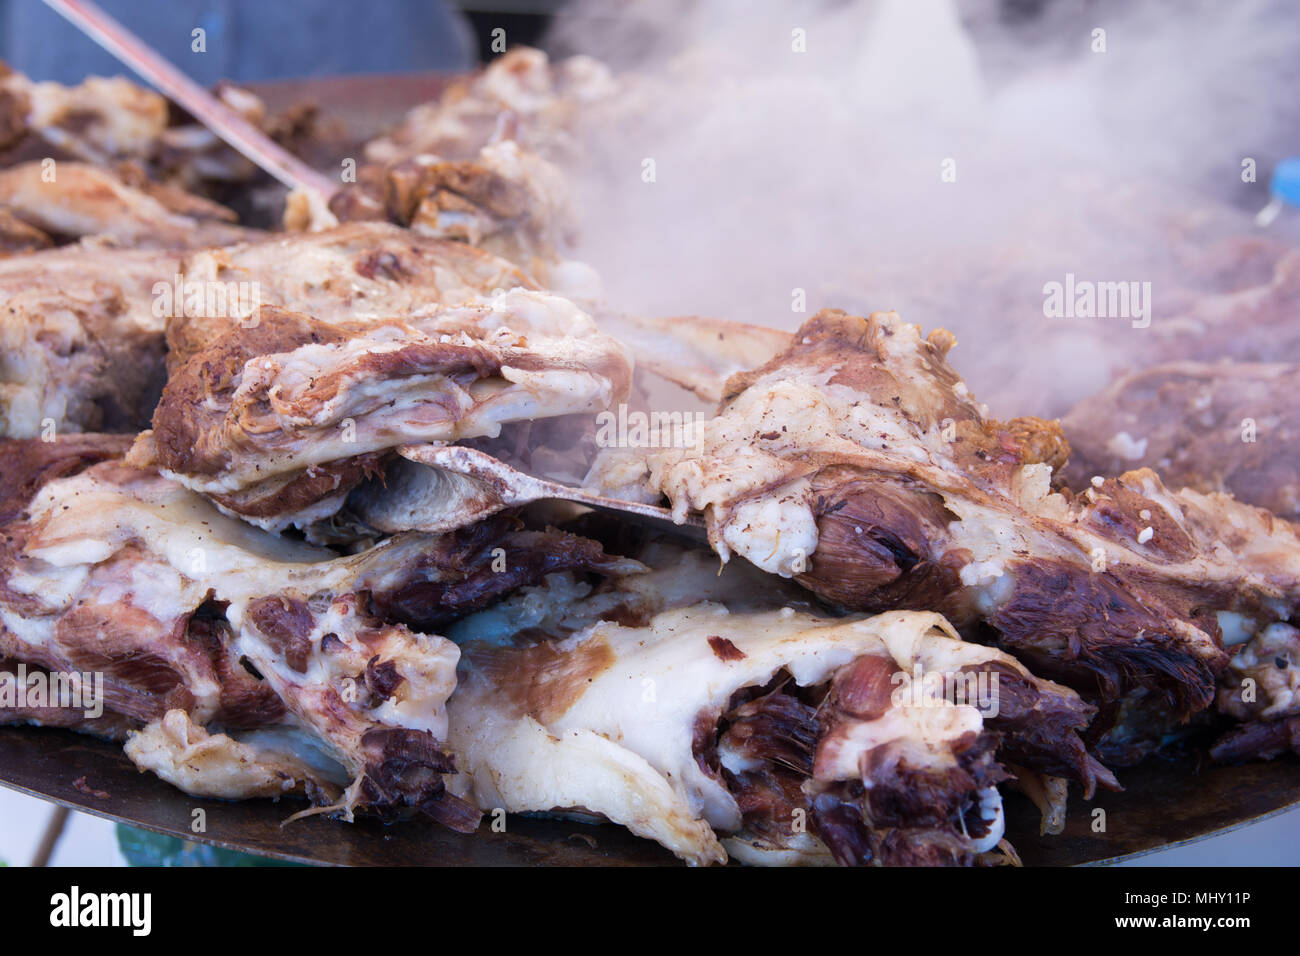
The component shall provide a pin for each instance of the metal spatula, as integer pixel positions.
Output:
(240, 134)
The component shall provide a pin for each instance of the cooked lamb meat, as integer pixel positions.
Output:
(540, 101)
(110, 121)
(779, 735)
(355, 272)
(72, 200)
(375, 270)
(274, 421)
(102, 120)
(476, 165)
(124, 573)
(82, 326)
(858, 463)
(81, 346)
(217, 638)
(1229, 426)
(505, 200)
(90, 583)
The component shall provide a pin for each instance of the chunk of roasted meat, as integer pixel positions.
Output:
(193, 618)
(102, 120)
(70, 200)
(240, 663)
(506, 201)
(478, 165)
(777, 736)
(109, 121)
(360, 271)
(539, 100)
(82, 344)
(83, 326)
(858, 463)
(278, 420)
(1224, 426)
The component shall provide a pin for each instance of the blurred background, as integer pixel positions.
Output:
(1189, 89)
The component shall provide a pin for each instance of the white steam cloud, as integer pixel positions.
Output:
(943, 159)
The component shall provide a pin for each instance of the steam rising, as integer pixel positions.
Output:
(822, 169)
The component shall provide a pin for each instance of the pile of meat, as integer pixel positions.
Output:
(358, 511)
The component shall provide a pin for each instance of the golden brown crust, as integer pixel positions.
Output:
(1212, 426)
(196, 396)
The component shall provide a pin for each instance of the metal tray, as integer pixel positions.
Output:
(1165, 803)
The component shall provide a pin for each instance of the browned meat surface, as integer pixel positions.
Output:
(1224, 426)
(109, 121)
(357, 272)
(505, 201)
(81, 346)
(72, 200)
(102, 120)
(216, 642)
(250, 419)
(82, 326)
(858, 463)
(811, 740)
(120, 573)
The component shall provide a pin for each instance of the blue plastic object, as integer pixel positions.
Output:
(1285, 184)
(142, 848)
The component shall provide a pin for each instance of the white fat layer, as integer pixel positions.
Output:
(1237, 628)
(181, 551)
(216, 765)
(623, 747)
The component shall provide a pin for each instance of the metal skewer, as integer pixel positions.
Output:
(511, 487)
(240, 134)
